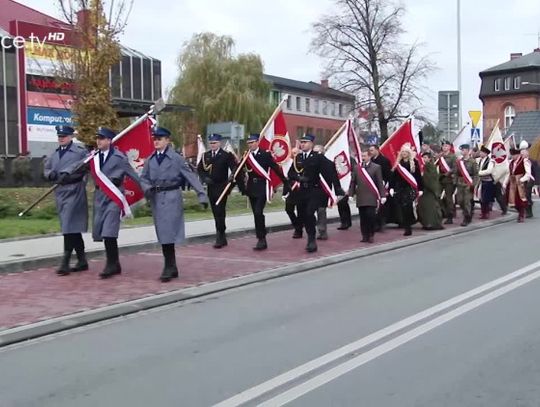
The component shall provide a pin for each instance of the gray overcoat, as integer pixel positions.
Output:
(360, 189)
(71, 201)
(167, 206)
(106, 212)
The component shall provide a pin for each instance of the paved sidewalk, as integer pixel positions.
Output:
(26, 253)
(39, 295)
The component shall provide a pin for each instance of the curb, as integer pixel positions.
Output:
(54, 325)
(48, 261)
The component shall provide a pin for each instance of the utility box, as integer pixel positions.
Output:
(232, 131)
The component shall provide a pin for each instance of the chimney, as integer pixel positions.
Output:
(324, 83)
(515, 55)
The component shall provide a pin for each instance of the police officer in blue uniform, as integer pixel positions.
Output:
(307, 168)
(162, 176)
(70, 196)
(115, 165)
(256, 187)
(214, 172)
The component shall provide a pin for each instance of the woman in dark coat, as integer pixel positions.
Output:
(406, 186)
(429, 209)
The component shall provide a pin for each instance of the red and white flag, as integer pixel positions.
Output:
(275, 138)
(201, 149)
(339, 152)
(403, 135)
(499, 153)
(137, 145)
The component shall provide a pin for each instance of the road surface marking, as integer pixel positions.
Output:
(294, 374)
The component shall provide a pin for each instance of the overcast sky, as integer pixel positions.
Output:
(280, 32)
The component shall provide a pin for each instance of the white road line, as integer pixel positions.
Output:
(259, 390)
(334, 373)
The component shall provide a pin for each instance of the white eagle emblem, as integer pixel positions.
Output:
(134, 160)
(343, 166)
(280, 149)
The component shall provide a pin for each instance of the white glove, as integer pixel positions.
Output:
(383, 200)
(391, 192)
(420, 193)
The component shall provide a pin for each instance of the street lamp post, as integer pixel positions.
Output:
(460, 96)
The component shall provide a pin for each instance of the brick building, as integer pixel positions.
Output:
(312, 108)
(510, 88)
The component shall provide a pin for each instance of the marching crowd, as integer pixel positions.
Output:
(425, 187)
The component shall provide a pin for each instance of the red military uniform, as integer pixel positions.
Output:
(520, 174)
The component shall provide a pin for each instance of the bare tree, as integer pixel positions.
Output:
(97, 25)
(361, 44)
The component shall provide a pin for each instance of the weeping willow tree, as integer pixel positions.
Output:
(219, 86)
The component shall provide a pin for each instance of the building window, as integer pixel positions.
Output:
(289, 101)
(319, 136)
(340, 110)
(299, 132)
(317, 104)
(517, 82)
(507, 81)
(328, 134)
(298, 103)
(509, 114)
(308, 105)
(332, 109)
(325, 108)
(309, 130)
(275, 97)
(497, 85)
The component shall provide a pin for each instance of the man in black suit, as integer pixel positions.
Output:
(307, 168)
(258, 168)
(214, 170)
(386, 168)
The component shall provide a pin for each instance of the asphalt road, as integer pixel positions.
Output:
(429, 325)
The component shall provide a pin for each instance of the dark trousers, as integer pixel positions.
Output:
(257, 207)
(308, 203)
(500, 197)
(294, 214)
(218, 210)
(368, 218)
(344, 212)
(407, 215)
(74, 241)
(111, 250)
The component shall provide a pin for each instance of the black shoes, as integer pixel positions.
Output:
(110, 270)
(82, 263)
(343, 227)
(169, 272)
(64, 269)
(221, 240)
(297, 234)
(261, 245)
(311, 246)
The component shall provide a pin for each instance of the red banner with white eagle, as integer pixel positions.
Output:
(403, 135)
(137, 145)
(275, 139)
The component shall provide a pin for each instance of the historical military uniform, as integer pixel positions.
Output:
(214, 172)
(71, 200)
(429, 208)
(106, 223)
(447, 167)
(367, 200)
(465, 185)
(256, 188)
(520, 174)
(162, 176)
(306, 170)
(487, 183)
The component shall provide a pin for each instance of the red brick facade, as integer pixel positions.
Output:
(321, 128)
(495, 106)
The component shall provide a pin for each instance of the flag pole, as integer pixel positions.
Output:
(246, 154)
(335, 136)
(461, 131)
(154, 109)
(492, 133)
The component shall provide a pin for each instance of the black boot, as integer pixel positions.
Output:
(221, 240)
(343, 227)
(297, 234)
(365, 239)
(170, 270)
(311, 246)
(112, 266)
(261, 244)
(408, 231)
(64, 270)
(82, 263)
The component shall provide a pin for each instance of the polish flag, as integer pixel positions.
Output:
(403, 135)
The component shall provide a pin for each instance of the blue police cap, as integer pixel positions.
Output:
(308, 137)
(64, 130)
(464, 146)
(253, 137)
(215, 137)
(160, 132)
(105, 132)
